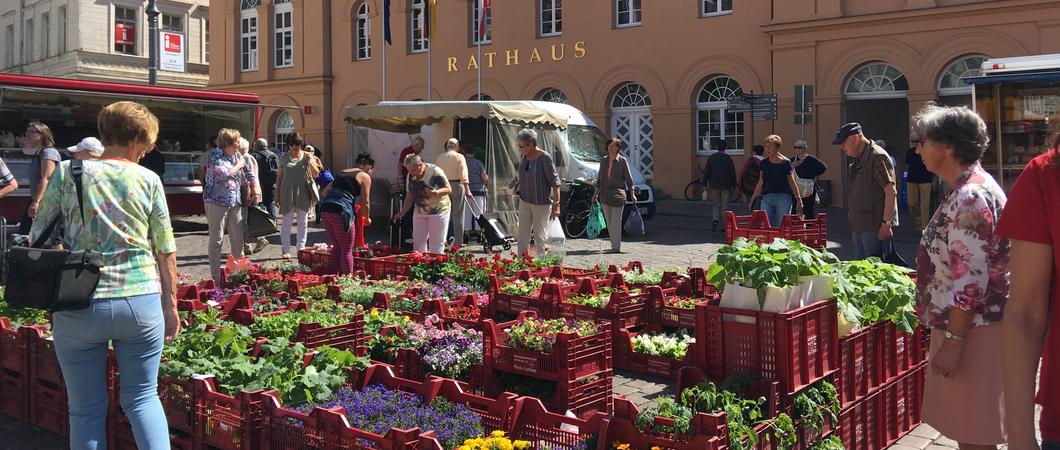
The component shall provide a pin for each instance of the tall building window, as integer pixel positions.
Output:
(125, 30)
(416, 16)
(627, 13)
(551, 17)
(27, 46)
(206, 41)
(172, 23)
(479, 23)
(9, 47)
(45, 35)
(362, 33)
(248, 35)
(713, 122)
(284, 34)
(284, 127)
(715, 7)
(62, 30)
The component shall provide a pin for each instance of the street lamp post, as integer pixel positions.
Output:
(152, 19)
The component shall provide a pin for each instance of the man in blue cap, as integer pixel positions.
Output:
(871, 193)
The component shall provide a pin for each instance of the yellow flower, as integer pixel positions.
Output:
(496, 434)
(374, 313)
(407, 319)
(656, 447)
(620, 446)
(522, 445)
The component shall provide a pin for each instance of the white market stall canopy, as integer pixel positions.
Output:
(409, 117)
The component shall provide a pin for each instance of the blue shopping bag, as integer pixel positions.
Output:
(634, 223)
(596, 221)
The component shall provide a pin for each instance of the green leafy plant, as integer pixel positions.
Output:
(285, 324)
(646, 278)
(523, 288)
(682, 302)
(540, 335)
(831, 443)
(600, 300)
(22, 316)
(816, 403)
(759, 266)
(869, 291)
(314, 292)
(361, 292)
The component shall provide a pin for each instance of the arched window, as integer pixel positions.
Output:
(876, 80)
(362, 30)
(966, 66)
(713, 121)
(631, 95)
(284, 127)
(248, 35)
(553, 95)
(485, 97)
(418, 11)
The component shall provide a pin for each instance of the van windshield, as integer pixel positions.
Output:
(586, 143)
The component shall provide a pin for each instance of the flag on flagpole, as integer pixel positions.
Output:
(386, 22)
(429, 20)
(483, 11)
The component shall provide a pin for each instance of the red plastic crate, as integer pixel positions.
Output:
(191, 292)
(228, 422)
(572, 357)
(756, 227)
(706, 432)
(14, 356)
(860, 425)
(348, 336)
(305, 257)
(178, 401)
(900, 402)
(388, 267)
(288, 429)
(625, 309)
(14, 394)
(627, 359)
(860, 365)
(43, 363)
(533, 422)
(901, 352)
(48, 409)
(796, 348)
(544, 303)
(665, 314)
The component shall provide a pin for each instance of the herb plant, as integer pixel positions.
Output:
(758, 266)
(870, 291)
(285, 324)
(816, 403)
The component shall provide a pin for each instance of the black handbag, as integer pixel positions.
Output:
(260, 222)
(49, 279)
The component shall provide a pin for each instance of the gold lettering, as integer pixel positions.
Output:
(579, 49)
(452, 64)
(535, 56)
(489, 59)
(472, 64)
(510, 56)
(562, 51)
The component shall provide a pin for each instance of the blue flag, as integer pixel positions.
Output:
(386, 22)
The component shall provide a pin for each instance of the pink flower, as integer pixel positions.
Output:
(959, 256)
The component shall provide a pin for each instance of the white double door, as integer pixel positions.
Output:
(634, 127)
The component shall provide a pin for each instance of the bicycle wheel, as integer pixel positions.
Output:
(694, 191)
(576, 220)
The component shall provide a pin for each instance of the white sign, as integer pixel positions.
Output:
(172, 48)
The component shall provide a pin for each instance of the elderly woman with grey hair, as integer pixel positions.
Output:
(962, 282)
(537, 183)
(807, 169)
(427, 188)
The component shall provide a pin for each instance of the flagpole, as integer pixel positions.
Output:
(384, 70)
(429, 69)
(478, 59)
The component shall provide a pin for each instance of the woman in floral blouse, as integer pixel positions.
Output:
(962, 282)
(226, 171)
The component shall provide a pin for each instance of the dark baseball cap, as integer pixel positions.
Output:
(846, 131)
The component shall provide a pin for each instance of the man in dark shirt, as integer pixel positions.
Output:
(268, 167)
(417, 148)
(720, 177)
(918, 184)
(156, 161)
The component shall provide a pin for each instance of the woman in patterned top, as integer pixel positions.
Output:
(962, 281)
(226, 171)
(134, 307)
(427, 189)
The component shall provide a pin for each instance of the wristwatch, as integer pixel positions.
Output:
(954, 337)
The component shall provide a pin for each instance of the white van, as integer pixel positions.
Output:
(576, 143)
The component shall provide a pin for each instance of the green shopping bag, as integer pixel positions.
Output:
(596, 222)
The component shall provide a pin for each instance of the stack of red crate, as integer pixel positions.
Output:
(625, 309)
(544, 303)
(756, 227)
(48, 406)
(14, 371)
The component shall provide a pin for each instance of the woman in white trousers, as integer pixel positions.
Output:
(295, 191)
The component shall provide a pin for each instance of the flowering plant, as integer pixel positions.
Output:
(221, 295)
(317, 292)
(361, 292)
(523, 288)
(377, 409)
(663, 344)
(186, 279)
(495, 441)
(406, 303)
(321, 247)
(286, 268)
(376, 319)
(600, 300)
(305, 279)
(470, 270)
(452, 354)
(682, 302)
(647, 277)
(540, 335)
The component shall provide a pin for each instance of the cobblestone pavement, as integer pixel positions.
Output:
(678, 236)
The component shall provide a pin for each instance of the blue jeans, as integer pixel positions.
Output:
(866, 244)
(136, 328)
(1046, 445)
(776, 206)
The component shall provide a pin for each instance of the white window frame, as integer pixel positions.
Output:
(205, 40)
(362, 32)
(283, 35)
(555, 10)
(45, 35)
(631, 11)
(9, 47)
(552, 95)
(882, 82)
(417, 43)
(136, 27)
(718, 11)
(944, 91)
(285, 120)
(162, 23)
(719, 106)
(61, 41)
(246, 38)
(475, 21)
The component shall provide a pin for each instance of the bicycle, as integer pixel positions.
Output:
(575, 214)
(694, 189)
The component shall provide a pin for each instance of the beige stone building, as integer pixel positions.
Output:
(100, 40)
(655, 72)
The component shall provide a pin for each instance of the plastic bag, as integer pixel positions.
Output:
(557, 240)
(634, 223)
(233, 265)
(596, 221)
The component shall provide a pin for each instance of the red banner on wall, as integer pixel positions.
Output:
(124, 33)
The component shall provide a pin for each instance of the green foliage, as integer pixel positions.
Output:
(816, 403)
(832, 443)
(777, 264)
(22, 316)
(869, 291)
(648, 277)
(361, 292)
(285, 324)
(317, 292)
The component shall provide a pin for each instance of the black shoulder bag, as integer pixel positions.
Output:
(53, 280)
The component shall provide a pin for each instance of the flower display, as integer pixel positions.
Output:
(673, 345)
(682, 302)
(495, 441)
(470, 270)
(377, 409)
(600, 300)
(540, 335)
(361, 292)
(221, 295)
(523, 288)
(444, 352)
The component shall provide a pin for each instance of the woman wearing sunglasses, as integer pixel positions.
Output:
(537, 182)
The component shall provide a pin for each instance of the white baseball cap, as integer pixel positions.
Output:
(88, 144)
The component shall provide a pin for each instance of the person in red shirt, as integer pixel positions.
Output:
(1031, 323)
(416, 147)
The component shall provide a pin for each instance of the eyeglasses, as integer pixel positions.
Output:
(916, 141)
(800, 148)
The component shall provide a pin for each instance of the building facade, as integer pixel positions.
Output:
(656, 73)
(101, 40)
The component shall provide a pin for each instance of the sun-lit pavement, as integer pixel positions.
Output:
(678, 236)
